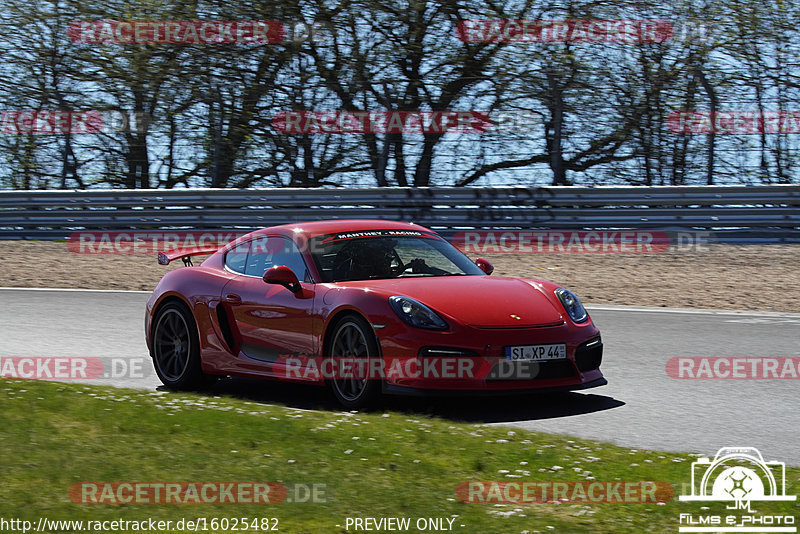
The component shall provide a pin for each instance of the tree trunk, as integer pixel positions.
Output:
(554, 131)
(712, 135)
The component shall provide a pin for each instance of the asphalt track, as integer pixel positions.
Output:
(641, 407)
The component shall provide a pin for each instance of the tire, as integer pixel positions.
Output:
(176, 349)
(352, 336)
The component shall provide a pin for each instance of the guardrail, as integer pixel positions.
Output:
(769, 213)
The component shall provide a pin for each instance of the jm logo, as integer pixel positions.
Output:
(738, 474)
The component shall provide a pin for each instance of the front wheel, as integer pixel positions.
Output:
(352, 339)
(176, 349)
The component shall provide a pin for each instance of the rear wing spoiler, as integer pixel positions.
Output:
(185, 254)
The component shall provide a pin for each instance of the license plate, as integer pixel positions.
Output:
(535, 353)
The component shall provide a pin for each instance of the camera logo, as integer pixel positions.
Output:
(737, 476)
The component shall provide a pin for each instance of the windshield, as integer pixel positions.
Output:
(386, 254)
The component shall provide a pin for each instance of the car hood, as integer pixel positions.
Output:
(480, 301)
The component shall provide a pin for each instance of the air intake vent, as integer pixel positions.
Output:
(589, 355)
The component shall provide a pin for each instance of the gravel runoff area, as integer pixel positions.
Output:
(734, 277)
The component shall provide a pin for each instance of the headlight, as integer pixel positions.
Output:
(572, 304)
(416, 313)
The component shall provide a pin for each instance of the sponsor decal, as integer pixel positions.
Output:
(344, 236)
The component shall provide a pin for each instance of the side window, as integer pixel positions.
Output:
(236, 258)
(266, 252)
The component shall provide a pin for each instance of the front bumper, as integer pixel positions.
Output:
(479, 353)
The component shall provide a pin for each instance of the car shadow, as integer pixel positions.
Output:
(476, 409)
(512, 408)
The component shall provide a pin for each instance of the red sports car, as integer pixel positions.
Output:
(365, 307)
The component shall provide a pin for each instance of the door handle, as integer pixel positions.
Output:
(233, 298)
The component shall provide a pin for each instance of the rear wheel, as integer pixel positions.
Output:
(352, 339)
(176, 349)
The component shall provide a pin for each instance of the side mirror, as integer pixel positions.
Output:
(484, 265)
(281, 274)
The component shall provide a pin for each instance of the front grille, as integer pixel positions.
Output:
(589, 355)
(505, 370)
(446, 352)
